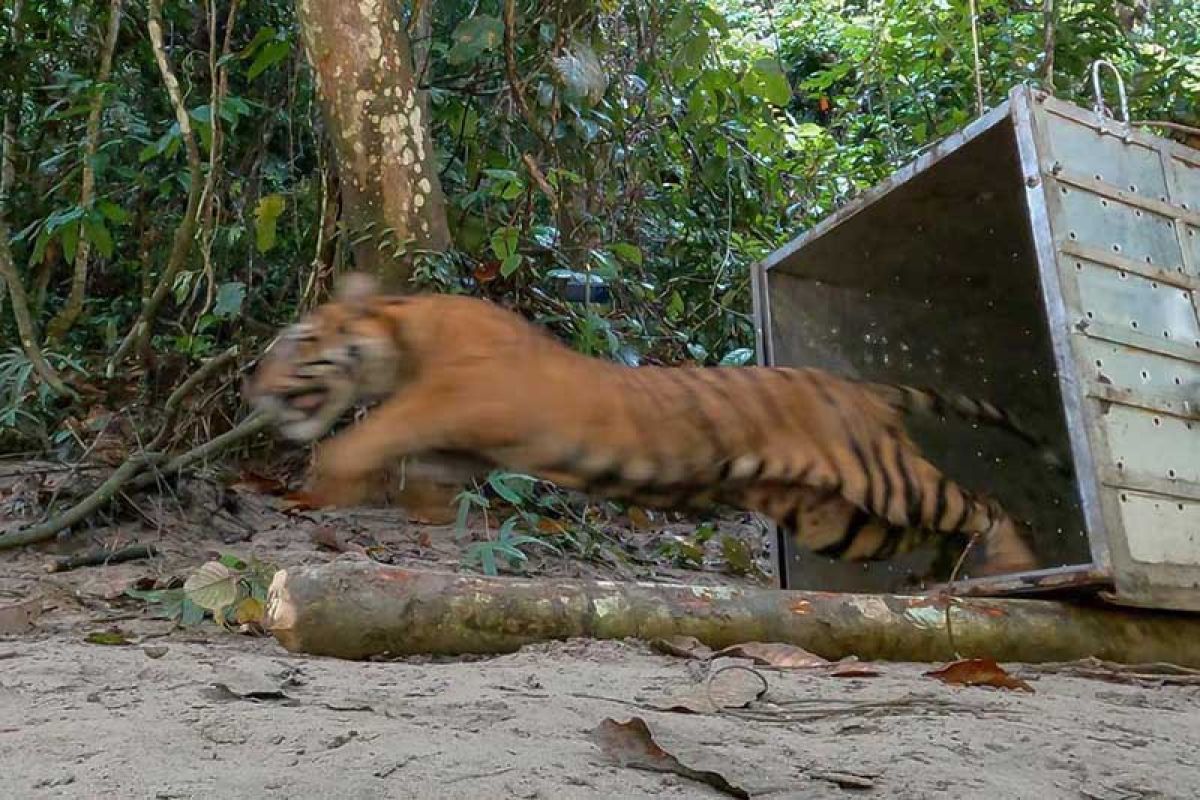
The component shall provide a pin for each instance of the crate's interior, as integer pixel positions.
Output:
(935, 283)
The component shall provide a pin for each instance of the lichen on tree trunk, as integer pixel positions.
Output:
(379, 124)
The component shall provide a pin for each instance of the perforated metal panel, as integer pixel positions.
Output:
(1049, 260)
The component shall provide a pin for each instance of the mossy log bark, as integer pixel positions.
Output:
(354, 608)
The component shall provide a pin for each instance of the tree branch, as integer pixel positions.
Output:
(62, 322)
(182, 244)
(25, 328)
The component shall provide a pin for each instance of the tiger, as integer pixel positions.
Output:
(467, 382)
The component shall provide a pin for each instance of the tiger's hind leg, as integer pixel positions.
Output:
(899, 485)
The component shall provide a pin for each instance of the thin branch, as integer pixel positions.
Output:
(102, 557)
(171, 408)
(140, 333)
(25, 327)
(1190, 130)
(248, 427)
(1049, 26)
(219, 80)
(81, 510)
(133, 474)
(65, 319)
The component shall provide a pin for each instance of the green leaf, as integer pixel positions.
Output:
(148, 152)
(607, 265)
(738, 357)
(211, 587)
(265, 214)
(627, 252)
(510, 264)
(97, 234)
(270, 55)
(504, 241)
(112, 638)
(766, 80)
(70, 240)
(474, 36)
(190, 613)
(263, 36)
(113, 212)
(675, 306)
(500, 486)
(228, 303)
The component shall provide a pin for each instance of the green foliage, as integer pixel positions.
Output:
(231, 591)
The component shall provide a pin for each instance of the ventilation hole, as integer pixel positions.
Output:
(1116, 248)
(1090, 315)
(1078, 267)
(1149, 260)
(1063, 190)
(1157, 422)
(1132, 188)
(1145, 375)
(1133, 324)
(1098, 176)
(1072, 235)
(1166, 334)
(1099, 363)
(1121, 466)
(1171, 474)
(1185, 205)
(1122, 273)
(1124, 498)
(1153, 284)
(1179, 506)
(1178, 382)
(1104, 203)
(1137, 213)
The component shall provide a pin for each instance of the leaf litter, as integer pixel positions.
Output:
(978, 672)
(631, 744)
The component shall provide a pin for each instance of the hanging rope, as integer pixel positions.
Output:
(975, 51)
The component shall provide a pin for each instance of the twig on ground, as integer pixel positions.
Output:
(78, 512)
(128, 475)
(101, 556)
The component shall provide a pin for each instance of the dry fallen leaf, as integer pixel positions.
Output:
(19, 617)
(774, 654)
(255, 483)
(682, 646)
(298, 501)
(978, 672)
(212, 587)
(327, 536)
(732, 687)
(631, 744)
(853, 669)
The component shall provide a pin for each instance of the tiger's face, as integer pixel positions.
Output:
(337, 356)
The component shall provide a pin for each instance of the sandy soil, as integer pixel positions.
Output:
(202, 713)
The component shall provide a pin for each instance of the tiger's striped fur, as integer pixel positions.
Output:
(462, 378)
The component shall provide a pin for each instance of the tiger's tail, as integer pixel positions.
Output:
(932, 403)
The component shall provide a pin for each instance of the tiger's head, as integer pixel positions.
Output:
(338, 355)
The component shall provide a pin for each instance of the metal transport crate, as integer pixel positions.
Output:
(1047, 258)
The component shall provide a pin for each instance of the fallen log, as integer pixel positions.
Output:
(354, 608)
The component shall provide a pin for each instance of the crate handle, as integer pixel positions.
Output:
(1098, 96)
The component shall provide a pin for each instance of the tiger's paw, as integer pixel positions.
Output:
(336, 481)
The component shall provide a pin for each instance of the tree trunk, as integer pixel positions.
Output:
(65, 318)
(354, 608)
(379, 124)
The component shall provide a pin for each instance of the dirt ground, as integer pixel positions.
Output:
(205, 713)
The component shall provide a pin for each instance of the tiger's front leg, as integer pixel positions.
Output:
(343, 468)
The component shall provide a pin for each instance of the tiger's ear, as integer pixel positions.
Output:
(356, 287)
